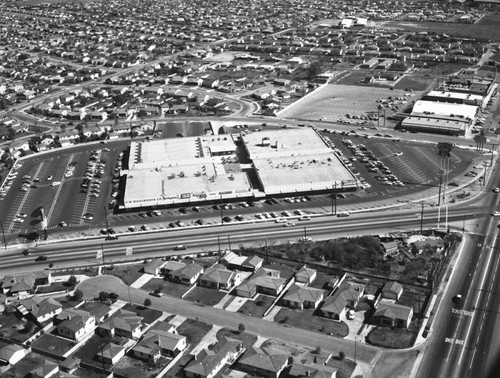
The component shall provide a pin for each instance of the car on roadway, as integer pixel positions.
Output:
(343, 214)
(289, 224)
(457, 299)
(496, 190)
(305, 218)
(41, 258)
(27, 252)
(88, 216)
(495, 214)
(156, 293)
(63, 224)
(180, 247)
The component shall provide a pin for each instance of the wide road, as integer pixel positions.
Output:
(464, 341)
(206, 239)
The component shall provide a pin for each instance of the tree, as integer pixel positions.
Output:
(341, 355)
(147, 302)
(77, 295)
(241, 327)
(103, 296)
(72, 280)
(317, 350)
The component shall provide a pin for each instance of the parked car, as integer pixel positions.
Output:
(41, 258)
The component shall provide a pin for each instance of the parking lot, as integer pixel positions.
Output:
(75, 186)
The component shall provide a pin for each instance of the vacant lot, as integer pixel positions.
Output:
(305, 319)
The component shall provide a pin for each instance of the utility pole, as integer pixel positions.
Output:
(221, 215)
(440, 183)
(106, 220)
(422, 217)
(3, 235)
(218, 242)
(229, 241)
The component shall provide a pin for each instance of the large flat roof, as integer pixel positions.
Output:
(445, 108)
(304, 141)
(303, 173)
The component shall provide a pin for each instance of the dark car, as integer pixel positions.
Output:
(457, 299)
(26, 252)
(41, 258)
(180, 247)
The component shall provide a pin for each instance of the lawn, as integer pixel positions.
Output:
(417, 83)
(149, 314)
(66, 301)
(194, 330)
(258, 307)
(345, 367)
(171, 289)
(205, 296)
(391, 338)
(305, 319)
(53, 344)
(127, 273)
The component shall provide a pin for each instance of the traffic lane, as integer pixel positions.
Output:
(159, 244)
(94, 285)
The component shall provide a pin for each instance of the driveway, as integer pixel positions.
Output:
(92, 286)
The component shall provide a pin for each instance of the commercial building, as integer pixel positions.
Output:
(213, 168)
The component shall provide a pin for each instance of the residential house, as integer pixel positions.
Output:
(302, 297)
(431, 245)
(24, 284)
(392, 290)
(38, 309)
(187, 275)
(74, 324)
(154, 266)
(220, 279)
(243, 263)
(111, 353)
(171, 266)
(70, 364)
(261, 364)
(346, 295)
(12, 353)
(207, 363)
(157, 343)
(389, 248)
(45, 369)
(265, 281)
(305, 275)
(123, 323)
(392, 315)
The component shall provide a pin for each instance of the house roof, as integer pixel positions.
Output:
(305, 273)
(269, 282)
(393, 311)
(155, 264)
(8, 351)
(111, 350)
(45, 369)
(344, 293)
(190, 270)
(220, 276)
(303, 294)
(392, 287)
(124, 320)
(206, 361)
(271, 363)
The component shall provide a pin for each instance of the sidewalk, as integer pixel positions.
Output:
(142, 280)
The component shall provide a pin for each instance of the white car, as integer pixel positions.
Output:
(495, 214)
(496, 190)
